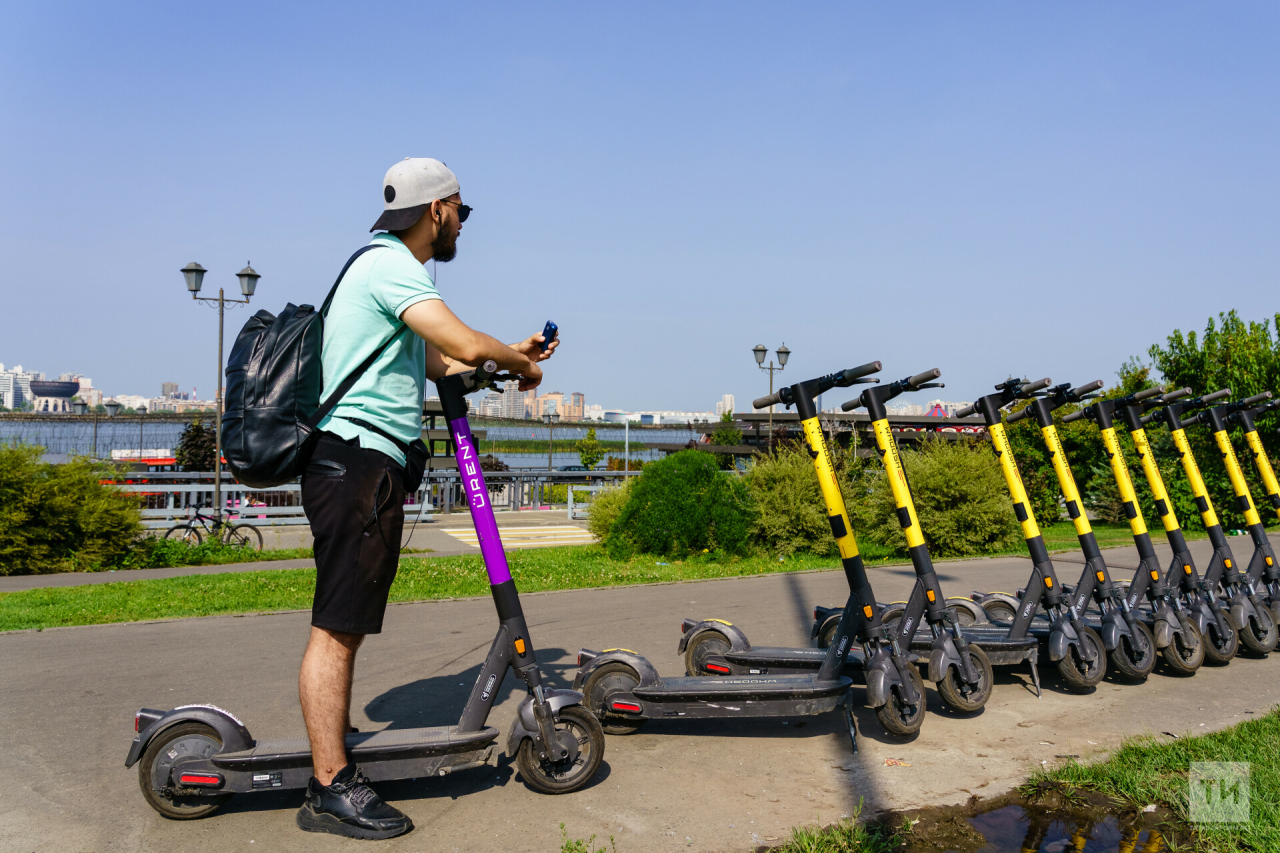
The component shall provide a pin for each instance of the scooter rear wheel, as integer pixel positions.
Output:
(604, 682)
(549, 777)
(184, 739)
(897, 717)
(1257, 638)
(951, 691)
(1081, 675)
(1182, 659)
(999, 612)
(1131, 663)
(700, 648)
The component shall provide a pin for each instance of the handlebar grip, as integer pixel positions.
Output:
(484, 371)
(921, 378)
(862, 370)
(967, 411)
(1029, 387)
(1176, 394)
(1146, 420)
(1014, 417)
(1085, 389)
(1074, 416)
(1148, 393)
(1256, 399)
(1220, 394)
(849, 406)
(1192, 420)
(766, 402)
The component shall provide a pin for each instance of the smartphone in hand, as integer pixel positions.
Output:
(549, 333)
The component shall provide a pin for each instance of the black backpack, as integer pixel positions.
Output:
(274, 380)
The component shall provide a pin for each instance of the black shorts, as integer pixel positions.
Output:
(354, 500)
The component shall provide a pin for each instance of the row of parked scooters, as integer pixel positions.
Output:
(1174, 613)
(194, 757)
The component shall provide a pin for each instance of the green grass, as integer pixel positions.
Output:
(1147, 770)
(847, 836)
(419, 579)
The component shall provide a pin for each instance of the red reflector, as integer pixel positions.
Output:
(715, 667)
(193, 779)
(626, 706)
(136, 723)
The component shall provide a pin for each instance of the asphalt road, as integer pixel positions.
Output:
(70, 694)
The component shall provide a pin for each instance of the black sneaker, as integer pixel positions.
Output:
(348, 806)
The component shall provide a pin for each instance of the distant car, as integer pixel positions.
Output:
(572, 468)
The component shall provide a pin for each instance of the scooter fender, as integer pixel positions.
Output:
(648, 675)
(1011, 600)
(1239, 616)
(235, 737)
(1163, 633)
(882, 675)
(1111, 634)
(944, 656)
(738, 641)
(525, 725)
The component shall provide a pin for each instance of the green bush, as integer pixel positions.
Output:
(60, 518)
(791, 516)
(606, 507)
(683, 505)
(960, 497)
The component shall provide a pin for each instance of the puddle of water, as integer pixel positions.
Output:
(1011, 825)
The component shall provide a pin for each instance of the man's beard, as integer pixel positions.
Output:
(444, 247)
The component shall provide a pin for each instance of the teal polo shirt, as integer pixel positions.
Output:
(364, 313)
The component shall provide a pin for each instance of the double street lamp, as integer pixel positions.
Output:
(783, 354)
(194, 275)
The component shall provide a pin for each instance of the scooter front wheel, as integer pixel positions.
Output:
(1180, 657)
(1220, 650)
(1133, 664)
(1259, 633)
(896, 716)
(184, 740)
(953, 691)
(560, 777)
(1081, 675)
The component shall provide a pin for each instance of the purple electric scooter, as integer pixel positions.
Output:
(193, 758)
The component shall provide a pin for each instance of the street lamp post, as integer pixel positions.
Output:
(194, 275)
(783, 354)
(551, 419)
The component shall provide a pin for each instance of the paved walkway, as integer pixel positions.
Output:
(70, 695)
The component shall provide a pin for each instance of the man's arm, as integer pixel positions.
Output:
(452, 345)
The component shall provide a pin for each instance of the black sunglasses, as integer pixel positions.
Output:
(464, 210)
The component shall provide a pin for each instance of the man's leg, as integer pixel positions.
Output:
(324, 686)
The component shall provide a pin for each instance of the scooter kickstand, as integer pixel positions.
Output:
(1035, 675)
(853, 723)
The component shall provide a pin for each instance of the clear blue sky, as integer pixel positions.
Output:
(988, 188)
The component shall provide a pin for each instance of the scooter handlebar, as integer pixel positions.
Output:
(850, 405)
(766, 402)
(1074, 416)
(1086, 389)
(967, 411)
(1220, 394)
(1256, 399)
(1148, 393)
(1192, 420)
(863, 370)
(1174, 395)
(1032, 387)
(921, 378)
(486, 371)
(1014, 417)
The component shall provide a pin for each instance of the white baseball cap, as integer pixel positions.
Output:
(408, 187)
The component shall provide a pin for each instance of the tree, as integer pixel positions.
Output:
(590, 451)
(726, 435)
(196, 447)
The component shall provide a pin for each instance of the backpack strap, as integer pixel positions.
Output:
(352, 378)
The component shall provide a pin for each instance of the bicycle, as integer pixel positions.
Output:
(239, 535)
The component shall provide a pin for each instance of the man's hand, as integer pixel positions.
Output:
(530, 377)
(532, 347)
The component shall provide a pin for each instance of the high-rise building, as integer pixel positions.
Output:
(15, 386)
(169, 390)
(513, 402)
(725, 405)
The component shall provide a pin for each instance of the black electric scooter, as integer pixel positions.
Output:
(1209, 611)
(1179, 640)
(712, 646)
(624, 690)
(1250, 615)
(193, 758)
(1075, 647)
(1130, 646)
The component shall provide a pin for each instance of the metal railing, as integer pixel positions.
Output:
(170, 498)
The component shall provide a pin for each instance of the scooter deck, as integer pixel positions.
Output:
(386, 754)
(742, 688)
